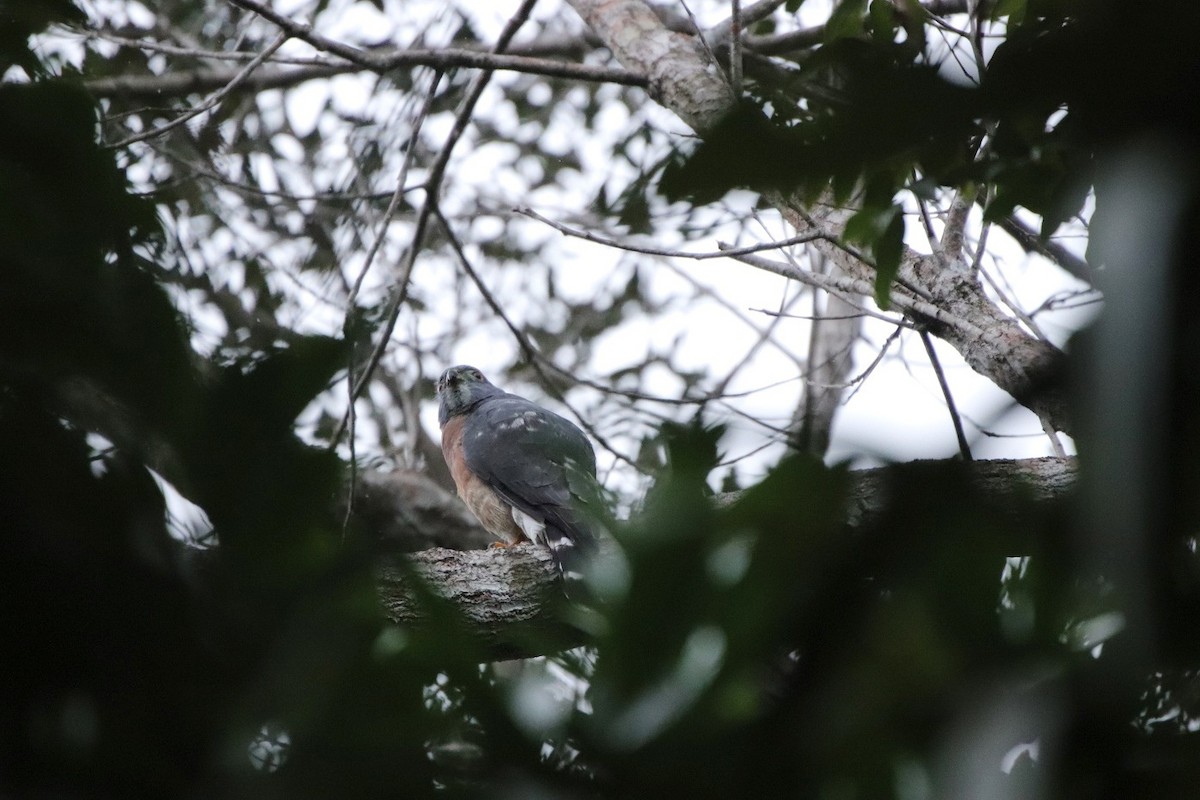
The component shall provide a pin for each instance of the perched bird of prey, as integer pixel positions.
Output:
(522, 470)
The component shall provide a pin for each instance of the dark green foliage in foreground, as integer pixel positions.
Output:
(764, 649)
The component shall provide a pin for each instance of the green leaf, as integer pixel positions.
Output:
(1013, 9)
(846, 20)
(914, 18)
(888, 248)
(881, 230)
(843, 185)
(883, 21)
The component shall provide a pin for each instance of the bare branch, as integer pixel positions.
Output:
(433, 187)
(956, 223)
(723, 252)
(1033, 243)
(184, 82)
(830, 359)
(858, 286)
(302, 31)
(509, 598)
(742, 18)
(964, 449)
(209, 102)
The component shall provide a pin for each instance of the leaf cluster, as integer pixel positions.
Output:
(871, 114)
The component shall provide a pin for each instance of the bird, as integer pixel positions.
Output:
(522, 470)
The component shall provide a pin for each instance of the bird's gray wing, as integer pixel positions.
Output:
(536, 460)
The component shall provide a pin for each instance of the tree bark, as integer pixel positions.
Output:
(511, 599)
(685, 80)
(835, 328)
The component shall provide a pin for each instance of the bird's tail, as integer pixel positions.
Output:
(570, 549)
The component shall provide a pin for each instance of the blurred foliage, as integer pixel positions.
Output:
(21, 19)
(759, 649)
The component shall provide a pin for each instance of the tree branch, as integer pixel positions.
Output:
(681, 77)
(835, 329)
(992, 343)
(511, 599)
(184, 82)
(805, 38)
(1029, 240)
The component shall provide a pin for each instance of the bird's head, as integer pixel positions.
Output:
(459, 389)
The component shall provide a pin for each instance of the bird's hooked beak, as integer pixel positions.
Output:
(454, 389)
(457, 376)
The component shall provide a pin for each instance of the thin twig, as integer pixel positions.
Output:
(1033, 243)
(1067, 300)
(192, 52)
(712, 56)
(927, 224)
(185, 82)
(182, 82)
(319, 197)
(749, 15)
(903, 323)
(1055, 443)
(304, 32)
(980, 247)
(964, 448)
(433, 191)
(670, 253)
(394, 203)
(532, 356)
(764, 336)
(1012, 305)
(210, 102)
(734, 310)
(859, 381)
(351, 418)
(859, 287)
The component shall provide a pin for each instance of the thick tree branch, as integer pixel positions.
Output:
(681, 76)
(406, 511)
(684, 79)
(512, 599)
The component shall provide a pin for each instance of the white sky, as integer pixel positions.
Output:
(896, 414)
